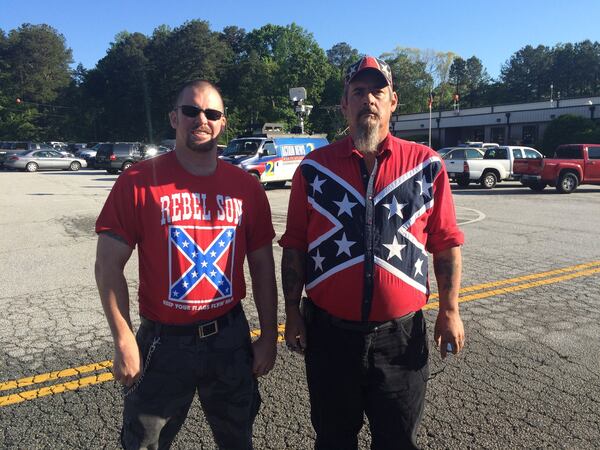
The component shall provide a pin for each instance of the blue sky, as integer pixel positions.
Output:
(492, 31)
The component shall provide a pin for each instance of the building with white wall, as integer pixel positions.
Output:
(522, 123)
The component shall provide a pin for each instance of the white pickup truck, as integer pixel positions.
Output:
(496, 166)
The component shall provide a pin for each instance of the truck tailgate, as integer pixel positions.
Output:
(529, 166)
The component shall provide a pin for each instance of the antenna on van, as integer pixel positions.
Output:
(297, 96)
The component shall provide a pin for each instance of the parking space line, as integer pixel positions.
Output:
(530, 281)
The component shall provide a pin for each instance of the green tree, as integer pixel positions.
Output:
(412, 83)
(187, 52)
(39, 62)
(477, 81)
(526, 75)
(569, 129)
(120, 87)
(458, 75)
(341, 55)
(277, 59)
(34, 67)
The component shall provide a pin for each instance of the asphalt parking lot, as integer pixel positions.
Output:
(529, 376)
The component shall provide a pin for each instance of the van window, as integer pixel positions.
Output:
(269, 149)
(517, 153)
(241, 147)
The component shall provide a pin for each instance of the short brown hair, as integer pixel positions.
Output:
(197, 83)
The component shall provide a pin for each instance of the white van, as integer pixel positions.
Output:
(271, 159)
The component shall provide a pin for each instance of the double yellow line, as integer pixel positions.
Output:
(101, 377)
(102, 373)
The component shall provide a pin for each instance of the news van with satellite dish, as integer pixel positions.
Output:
(272, 156)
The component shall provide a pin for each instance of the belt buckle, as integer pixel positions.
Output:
(201, 329)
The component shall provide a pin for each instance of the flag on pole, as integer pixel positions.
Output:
(430, 100)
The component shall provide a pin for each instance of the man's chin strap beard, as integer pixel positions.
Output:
(367, 137)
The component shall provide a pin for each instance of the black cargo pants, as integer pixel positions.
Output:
(217, 367)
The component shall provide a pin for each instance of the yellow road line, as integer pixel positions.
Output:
(519, 287)
(14, 384)
(107, 376)
(532, 276)
(55, 389)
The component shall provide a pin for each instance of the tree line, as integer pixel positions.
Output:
(130, 91)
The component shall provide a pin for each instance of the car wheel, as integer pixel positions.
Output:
(255, 175)
(489, 180)
(126, 165)
(567, 183)
(539, 187)
(74, 166)
(31, 167)
(112, 171)
(463, 182)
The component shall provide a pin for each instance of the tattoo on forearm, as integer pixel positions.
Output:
(445, 273)
(292, 276)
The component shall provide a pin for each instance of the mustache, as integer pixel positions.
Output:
(368, 110)
(203, 129)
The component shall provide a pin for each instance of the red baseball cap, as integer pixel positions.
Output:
(372, 63)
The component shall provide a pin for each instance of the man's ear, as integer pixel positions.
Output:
(173, 119)
(344, 105)
(394, 101)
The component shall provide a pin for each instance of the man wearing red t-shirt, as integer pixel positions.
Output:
(194, 220)
(364, 213)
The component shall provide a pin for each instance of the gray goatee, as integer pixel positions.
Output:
(367, 135)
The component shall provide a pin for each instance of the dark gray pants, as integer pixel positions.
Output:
(218, 368)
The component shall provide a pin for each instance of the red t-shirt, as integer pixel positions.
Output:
(349, 238)
(192, 234)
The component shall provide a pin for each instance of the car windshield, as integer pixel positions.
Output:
(241, 147)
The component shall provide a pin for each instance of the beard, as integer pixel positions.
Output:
(203, 147)
(366, 138)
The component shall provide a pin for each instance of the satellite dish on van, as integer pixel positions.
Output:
(297, 94)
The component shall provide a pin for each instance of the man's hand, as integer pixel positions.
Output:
(295, 330)
(449, 329)
(127, 365)
(265, 351)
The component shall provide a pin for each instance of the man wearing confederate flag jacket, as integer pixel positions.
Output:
(364, 214)
(194, 220)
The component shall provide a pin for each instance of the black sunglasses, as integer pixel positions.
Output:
(193, 111)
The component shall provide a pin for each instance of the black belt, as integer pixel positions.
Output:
(201, 329)
(352, 325)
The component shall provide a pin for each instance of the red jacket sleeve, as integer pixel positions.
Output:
(443, 232)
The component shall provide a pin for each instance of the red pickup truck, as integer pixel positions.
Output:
(571, 165)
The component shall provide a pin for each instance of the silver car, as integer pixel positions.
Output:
(34, 160)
